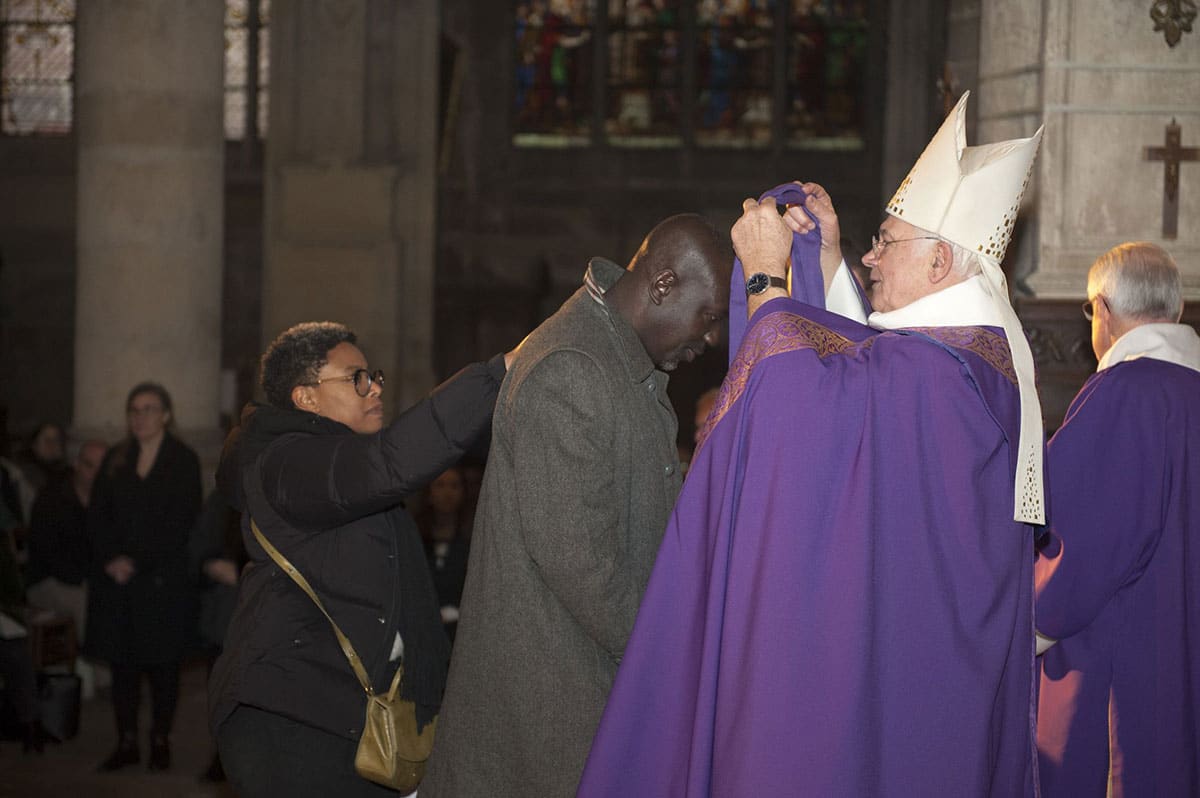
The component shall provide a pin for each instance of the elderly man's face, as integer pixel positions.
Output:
(900, 265)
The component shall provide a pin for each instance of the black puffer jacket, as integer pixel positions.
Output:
(329, 500)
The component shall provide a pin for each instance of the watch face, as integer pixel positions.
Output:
(757, 283)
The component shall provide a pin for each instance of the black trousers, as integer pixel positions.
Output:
(127, 695)
(267, 755)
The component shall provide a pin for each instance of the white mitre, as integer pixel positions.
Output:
(970, 196)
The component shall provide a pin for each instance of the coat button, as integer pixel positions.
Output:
(296, 642)
(382, 619)
(668, 470)
(650, 386)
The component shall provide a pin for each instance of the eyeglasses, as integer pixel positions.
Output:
(878, 245)
(1089, 307)
(362, 379)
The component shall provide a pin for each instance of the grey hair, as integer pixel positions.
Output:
(1138, 280)
(966, 262)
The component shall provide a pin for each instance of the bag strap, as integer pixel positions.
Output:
(299, 579)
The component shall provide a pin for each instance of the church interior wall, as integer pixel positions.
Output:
(518, 224)
(38, 273)
(37, 279)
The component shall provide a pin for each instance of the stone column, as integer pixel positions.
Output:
(350, 179)
(1009, 105)
(916, 33)
(148, 103)
(1106, 84)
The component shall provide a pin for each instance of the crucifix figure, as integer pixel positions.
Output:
(1172, 155)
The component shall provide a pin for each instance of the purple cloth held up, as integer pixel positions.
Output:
(808, 284)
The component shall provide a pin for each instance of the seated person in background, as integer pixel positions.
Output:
(442, 521)
(59, 551)
(216, 554)
(43, 460)
(16, 666)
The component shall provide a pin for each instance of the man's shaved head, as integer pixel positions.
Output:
(686, 243)
(676, 294)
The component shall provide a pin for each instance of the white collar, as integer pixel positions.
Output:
(965, 304)
(983, 301)
(1173, 343)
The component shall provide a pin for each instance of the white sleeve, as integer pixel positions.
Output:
(842, 297)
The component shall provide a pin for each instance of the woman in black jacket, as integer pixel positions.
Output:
(140, 598)
(323, 478)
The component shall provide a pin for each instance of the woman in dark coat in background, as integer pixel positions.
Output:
(144, 503)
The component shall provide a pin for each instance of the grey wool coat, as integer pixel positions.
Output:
(581, 478)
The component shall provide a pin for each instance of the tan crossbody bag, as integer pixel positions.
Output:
(390, 751)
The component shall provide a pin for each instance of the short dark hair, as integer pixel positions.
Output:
(296, 356)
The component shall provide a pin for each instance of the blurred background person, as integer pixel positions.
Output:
(139, 617)
(43, 459)
(16, 501)
(443, 521)
(60, 555)
(217, 554)
(17, 678)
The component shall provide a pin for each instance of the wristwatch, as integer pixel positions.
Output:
(761, 281)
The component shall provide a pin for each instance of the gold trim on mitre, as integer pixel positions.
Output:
(970, 196)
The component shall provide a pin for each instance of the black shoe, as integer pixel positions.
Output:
(160, 753)
(215, 773)
(126, 754)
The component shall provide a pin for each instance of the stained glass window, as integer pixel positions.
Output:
(827, 43)
(714, 73)
(36, 72)
(735, 57)
(643, 95)
(553, 97)
(245, 86)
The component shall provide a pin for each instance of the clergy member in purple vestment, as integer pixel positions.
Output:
(843, 601)
(1119, 583)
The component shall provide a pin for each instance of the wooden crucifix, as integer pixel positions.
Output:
(1172, 155)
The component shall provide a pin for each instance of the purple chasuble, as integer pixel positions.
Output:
(1119, 587)
(842, 603)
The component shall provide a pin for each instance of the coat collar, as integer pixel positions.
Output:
(602, 274)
